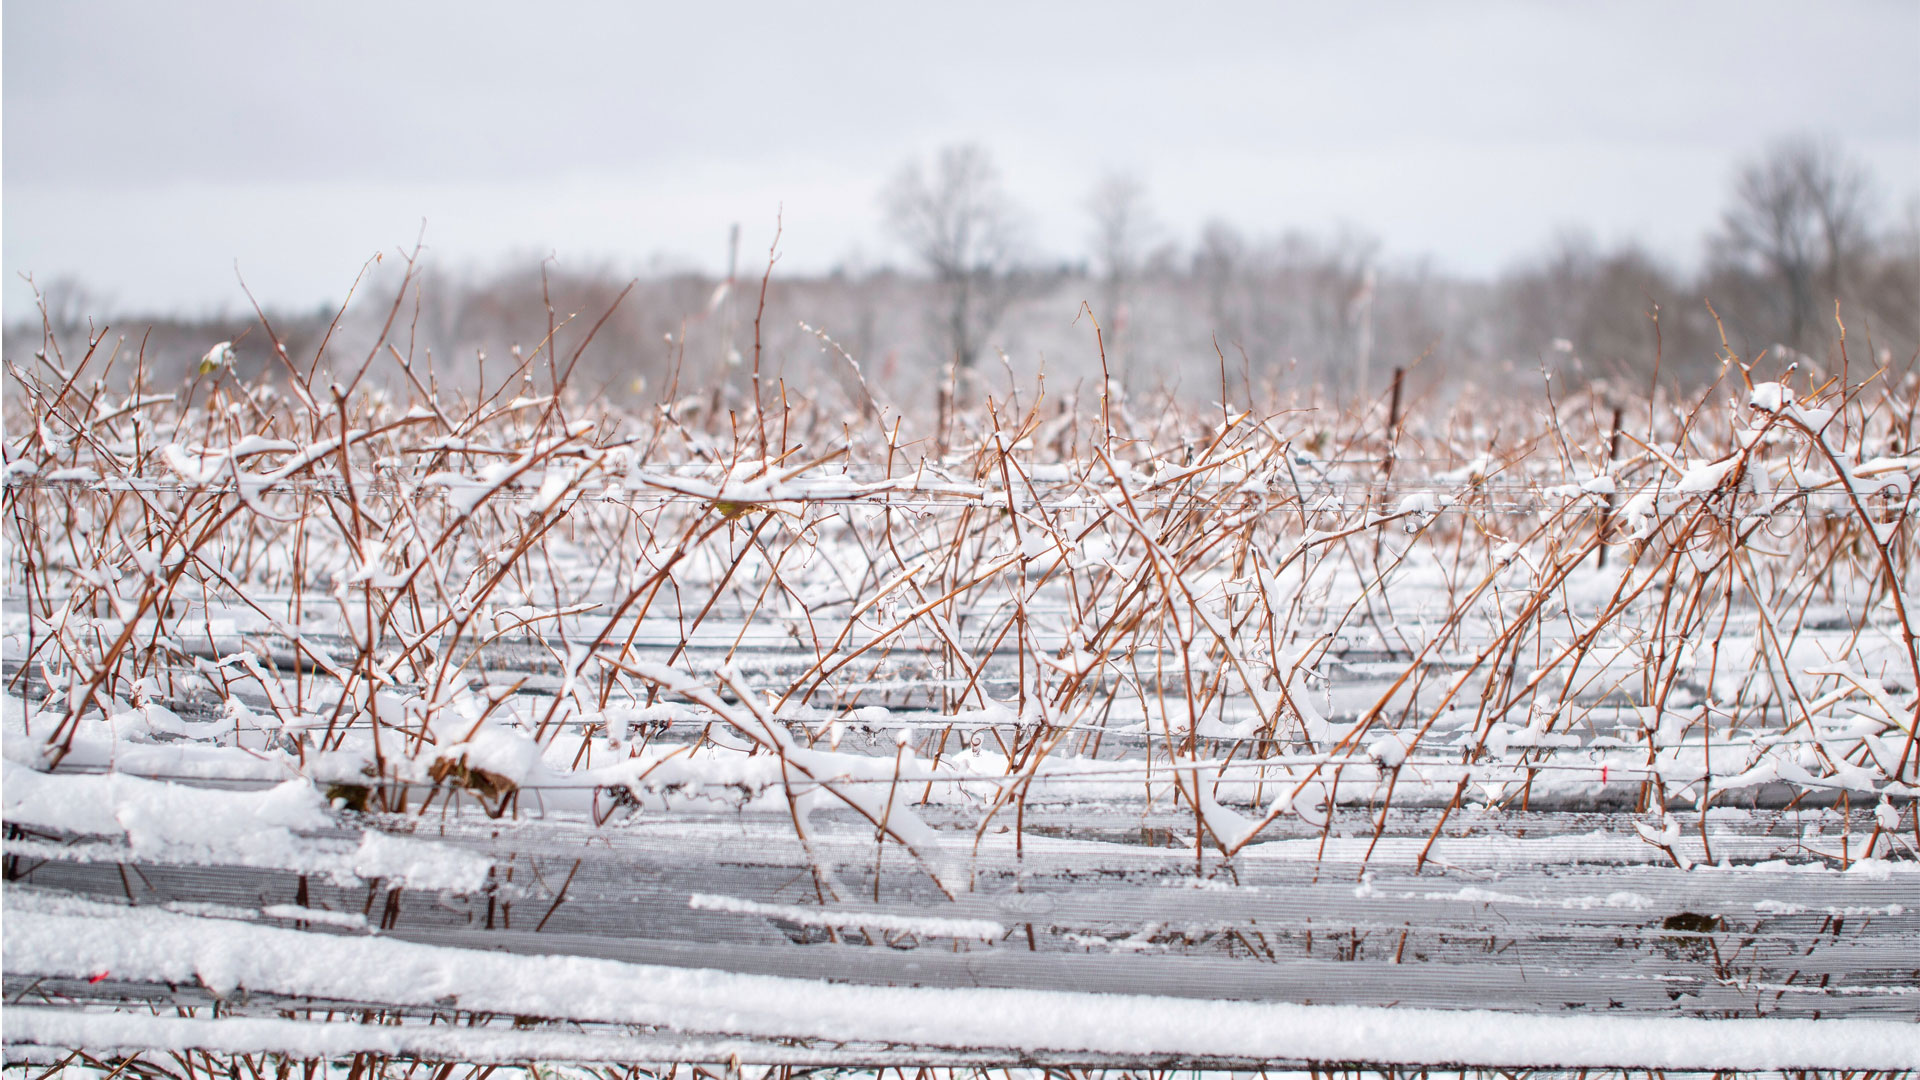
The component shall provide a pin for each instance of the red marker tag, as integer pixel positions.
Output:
(98, 978)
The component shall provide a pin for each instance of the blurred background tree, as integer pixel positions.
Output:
(1798, 229)
(959, 222)
(1123, 230)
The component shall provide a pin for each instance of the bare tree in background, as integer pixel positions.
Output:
(1591, 309)
(1894, 290)
(1123, 227)
(1799, 218)
(1216, 263)
(1333, 280)
(960, 222)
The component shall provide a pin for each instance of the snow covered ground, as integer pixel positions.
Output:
(516, 727)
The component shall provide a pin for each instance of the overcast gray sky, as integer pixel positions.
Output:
(150, 146)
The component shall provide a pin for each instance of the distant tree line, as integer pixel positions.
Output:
(1801, 247)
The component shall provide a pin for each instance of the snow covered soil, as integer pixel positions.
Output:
(63, 935)
(1205, 710)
